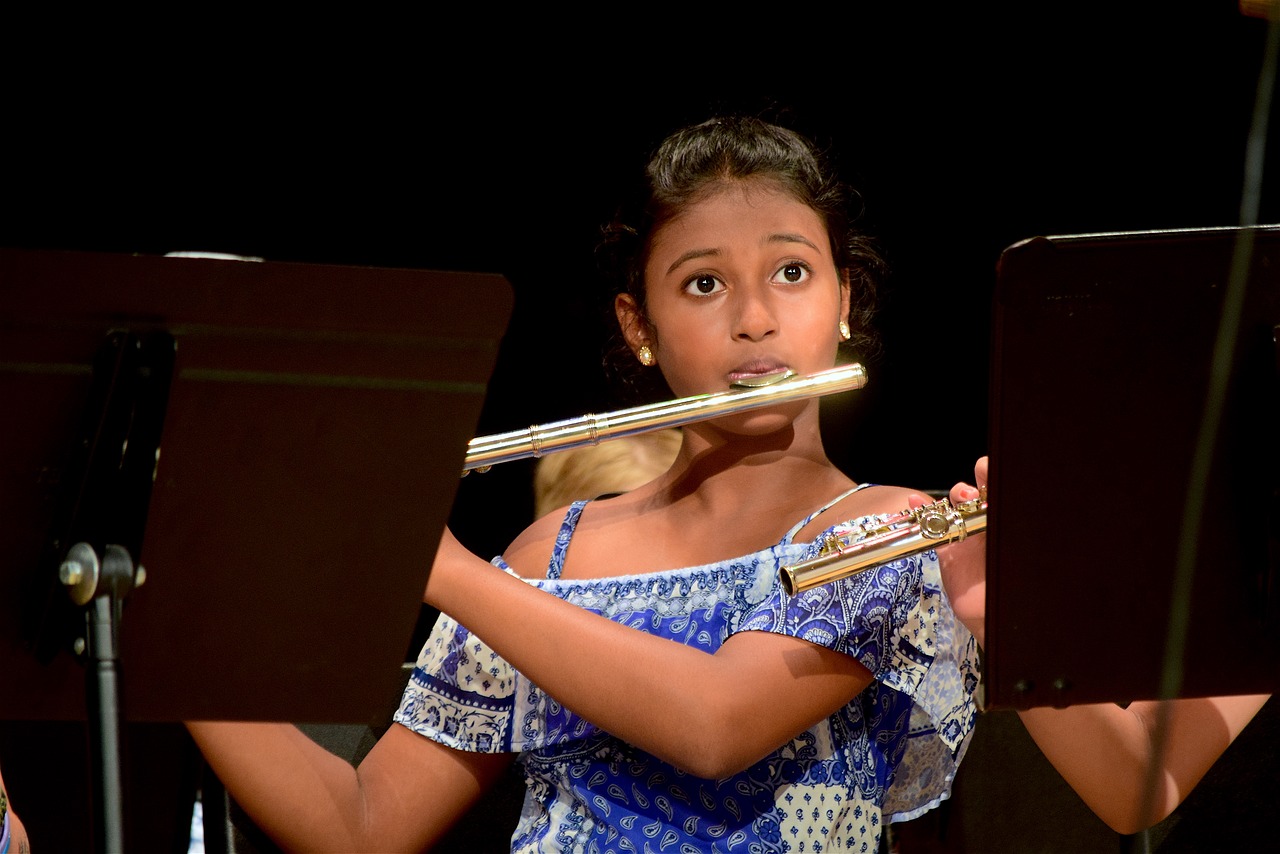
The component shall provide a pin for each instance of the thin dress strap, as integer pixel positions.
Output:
(567, 527)
(787, 538)
(571, 517)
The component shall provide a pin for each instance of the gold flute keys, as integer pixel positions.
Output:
(770, 390)
(905, 533)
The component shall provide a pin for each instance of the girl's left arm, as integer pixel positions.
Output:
(1106, 752)
(710, 715)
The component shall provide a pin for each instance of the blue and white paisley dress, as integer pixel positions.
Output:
(891, 754)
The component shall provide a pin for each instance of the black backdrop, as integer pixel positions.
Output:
(499, 145)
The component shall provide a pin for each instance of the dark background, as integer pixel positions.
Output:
(449, 144)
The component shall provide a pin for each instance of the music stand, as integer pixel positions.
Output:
(277, 445)
(1100, 372)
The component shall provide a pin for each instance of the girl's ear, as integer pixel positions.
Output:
(845, 298)
(635, 329)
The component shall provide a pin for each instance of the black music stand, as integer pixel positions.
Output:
(277, 444)
(1101, 367)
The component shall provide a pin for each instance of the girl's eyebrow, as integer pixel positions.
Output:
(691, 255)
(783, 237)
(787, 237)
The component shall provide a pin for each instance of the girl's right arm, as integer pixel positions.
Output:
(403, 797)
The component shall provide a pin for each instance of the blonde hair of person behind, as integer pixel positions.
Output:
(618, 465)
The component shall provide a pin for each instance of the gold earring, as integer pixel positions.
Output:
(645, 355)
(845, 334)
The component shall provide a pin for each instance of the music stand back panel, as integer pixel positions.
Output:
(1101, 359)
(313, 439)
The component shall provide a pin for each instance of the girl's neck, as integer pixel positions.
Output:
(716, 502)
(718, 467)
(725, 495)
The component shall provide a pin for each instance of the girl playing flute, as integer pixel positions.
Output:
(637, 655)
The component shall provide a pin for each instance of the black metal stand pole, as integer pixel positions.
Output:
(105, 736)
(101, 586)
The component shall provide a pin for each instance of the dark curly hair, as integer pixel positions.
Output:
(681, 170)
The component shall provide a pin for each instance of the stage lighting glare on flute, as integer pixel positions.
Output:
(915, 530)
(774, 389)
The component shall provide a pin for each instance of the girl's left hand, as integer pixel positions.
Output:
(964, 564)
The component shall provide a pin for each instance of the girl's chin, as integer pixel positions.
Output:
(762, 422)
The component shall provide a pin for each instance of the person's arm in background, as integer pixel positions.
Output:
(13, 836)
(1104, 751)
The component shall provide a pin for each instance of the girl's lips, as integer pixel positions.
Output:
(756, 369)
(754, 373)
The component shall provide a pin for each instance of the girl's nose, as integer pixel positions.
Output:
(755, 319)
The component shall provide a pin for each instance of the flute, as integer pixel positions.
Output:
(914, 530)
(784, 387)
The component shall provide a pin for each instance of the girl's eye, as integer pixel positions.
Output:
(703, 285)
(791, 274)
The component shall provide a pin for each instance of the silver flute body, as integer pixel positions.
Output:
(536, 441)
(914, 530)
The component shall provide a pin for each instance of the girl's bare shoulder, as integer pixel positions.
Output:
(872, 500)
(530, 552)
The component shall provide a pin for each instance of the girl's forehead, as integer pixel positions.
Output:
(730, 208)
(756, 191)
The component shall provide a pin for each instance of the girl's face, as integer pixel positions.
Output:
(741, 284)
